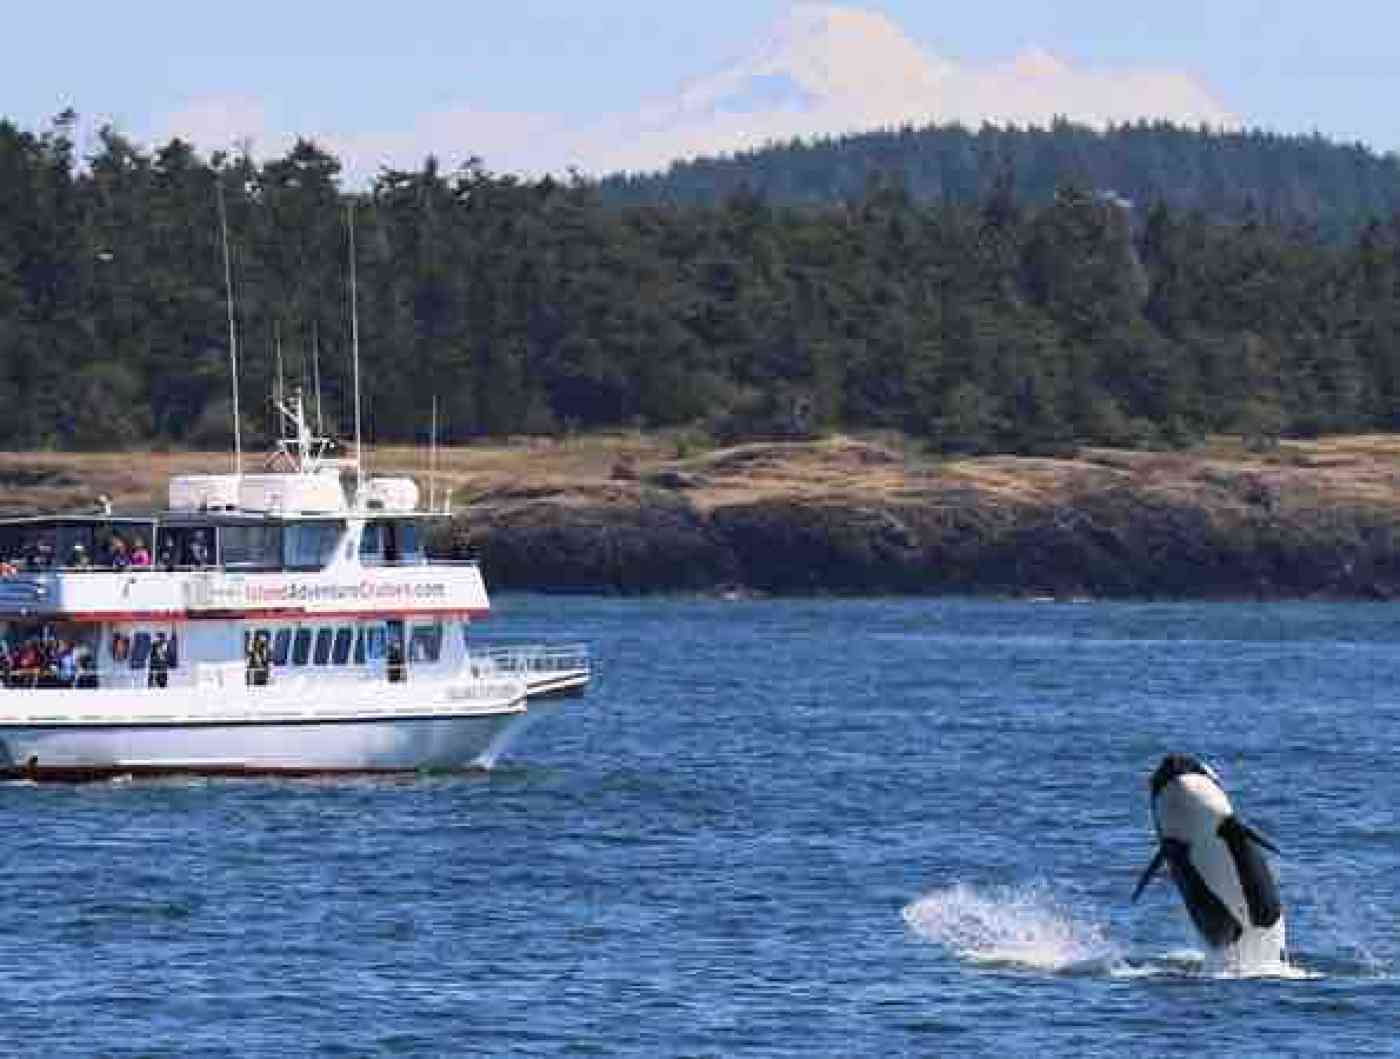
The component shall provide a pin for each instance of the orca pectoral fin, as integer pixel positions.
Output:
(1235, 823)
(1158, 859)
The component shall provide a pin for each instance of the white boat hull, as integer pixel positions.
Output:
(255, 733)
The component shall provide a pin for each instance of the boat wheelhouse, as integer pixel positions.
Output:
(263, 623)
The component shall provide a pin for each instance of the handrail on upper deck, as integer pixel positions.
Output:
(535, 658)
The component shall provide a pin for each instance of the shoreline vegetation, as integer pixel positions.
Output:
(878, 514)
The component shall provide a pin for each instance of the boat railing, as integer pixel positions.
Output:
(528, 659)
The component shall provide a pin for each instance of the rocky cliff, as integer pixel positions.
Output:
(1314, 520)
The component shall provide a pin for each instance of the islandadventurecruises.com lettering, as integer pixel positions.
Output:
(300, 592)
(364, 591)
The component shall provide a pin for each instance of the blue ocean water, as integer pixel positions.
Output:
(817, 827)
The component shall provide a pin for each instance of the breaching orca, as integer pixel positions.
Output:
(1216, 862)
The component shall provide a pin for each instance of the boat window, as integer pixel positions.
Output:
(410, 542)
(341, 652)
(128, 533)
(252, 547)
(372, 543)
(281, 644)
(74, 546)
(310, 545)
(359, 647)
(140, 650)
(185, 546)
(301, 647)
(425, 645)
(374, 642)
(323, 646)
(31, 651)
(467, 635)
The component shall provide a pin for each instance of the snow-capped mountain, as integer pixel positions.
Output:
(826, 69)
(820, 70)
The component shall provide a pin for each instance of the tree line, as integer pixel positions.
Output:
(1306, 181)
(986, 322)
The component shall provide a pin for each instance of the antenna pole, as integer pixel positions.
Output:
(316, 372)
(355, 355)
(432, 460)
(277, 343)
(232, 331)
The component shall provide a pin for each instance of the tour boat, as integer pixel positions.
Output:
(272, 622)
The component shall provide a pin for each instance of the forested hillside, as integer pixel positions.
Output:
(1299, 181)
(991, 321)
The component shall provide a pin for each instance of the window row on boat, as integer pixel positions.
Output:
(346, 645)
(230, 543)
(85, 655)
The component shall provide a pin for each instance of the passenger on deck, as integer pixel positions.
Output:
(158, 665)
(29, 664)
(78, 557)
(259, 661)
(394, 661)
(87, 667)
(199, 550)
(117, 554)
(66, 665)
(139, 555)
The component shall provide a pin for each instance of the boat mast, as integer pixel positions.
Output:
(316, 373)
(355, 356)
(277, 345)
(232, 331)
(432, 459)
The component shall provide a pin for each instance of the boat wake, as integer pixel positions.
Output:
(1029, 928)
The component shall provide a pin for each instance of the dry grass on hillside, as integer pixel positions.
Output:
(1357, 470)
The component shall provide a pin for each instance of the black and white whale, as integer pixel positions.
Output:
(1217, 863)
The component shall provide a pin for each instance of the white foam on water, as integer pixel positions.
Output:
(1029, 927)
(1022, 926)
(1259, 954)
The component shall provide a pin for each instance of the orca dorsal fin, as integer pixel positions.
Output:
(1158, 859)
(1234, 823)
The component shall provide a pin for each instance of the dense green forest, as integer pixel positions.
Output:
(990, 320)
(1304, 181)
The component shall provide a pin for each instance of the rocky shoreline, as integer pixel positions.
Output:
(1106, 525)
(1107, 549)
(655, 513)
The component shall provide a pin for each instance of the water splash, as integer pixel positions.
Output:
(1023, 926)
(1030, 928)
(1258, 954)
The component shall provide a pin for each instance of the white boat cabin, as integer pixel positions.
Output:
(257, 579)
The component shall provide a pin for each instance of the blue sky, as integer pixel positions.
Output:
(343, 74)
